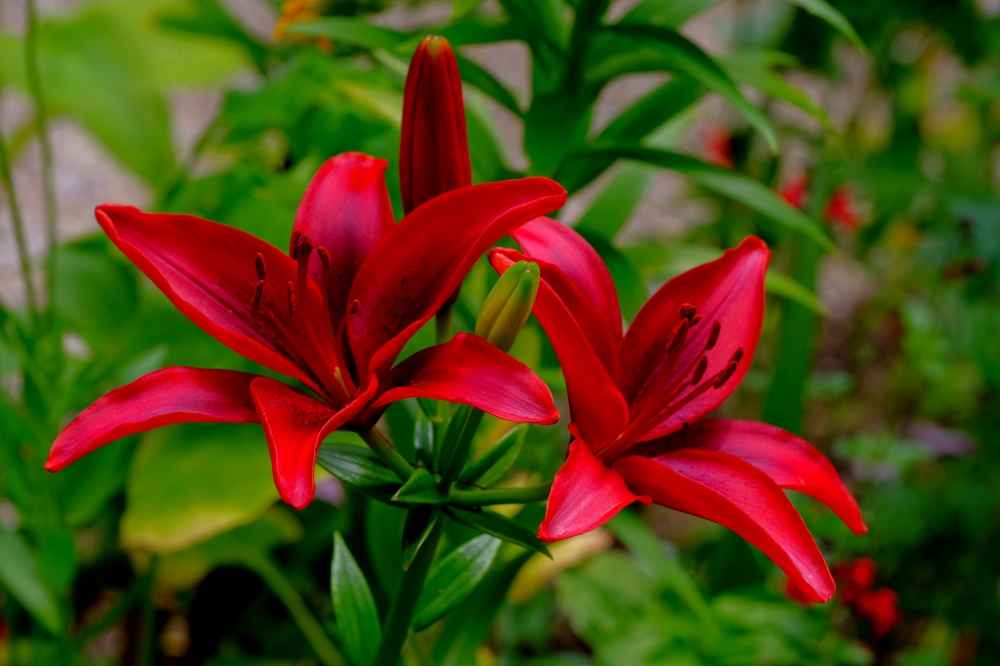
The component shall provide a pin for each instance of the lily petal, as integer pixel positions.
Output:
(599, 411)
(424, 258)
(210, 272)
(735, 494)
(471, 371)
(166, 396)
(790, 462)
(729, 290)
(295, 425)
(555, 243)
(346, 211)
(585, 494)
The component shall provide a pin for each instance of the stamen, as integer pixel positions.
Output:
(324, 256)
(258, 294)
(258, 263)
(713, 337)
(726, 373)
(302, 242)
(290, 292)
(737, 356)
(695, 320)
(677, 335)
(688, 311)
(699, 370)
(355, 304)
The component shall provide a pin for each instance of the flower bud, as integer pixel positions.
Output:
(433, 148)
(507, 307)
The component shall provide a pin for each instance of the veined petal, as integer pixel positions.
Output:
(554, 243)
(424, 258)
(585, 495)
(597, 408)
(163, 397)
(730, 291)
(295, 425)
(790, 462)
(735, 494)
(471, 371)
(210, 272)
(346, 211)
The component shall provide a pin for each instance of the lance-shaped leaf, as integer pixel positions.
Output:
(420, 488)
(359, 468)
(357, 616)
(20, 576)
(499, 526)
(488, 468)
(420, 521)
(454, 578)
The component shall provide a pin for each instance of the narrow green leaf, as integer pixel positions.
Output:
(824, 10)
(417, 527)
(475, 75)
(454, 578)
(463, 7)
(726, 182)
(423, 439)
(357, 616)
(612, 208)
(783, 285)
(667, 13)
(20, 576)
(356, 32)
(628, 281)
(499, 526)
(358, 467)
(420, 488)
(490, 467)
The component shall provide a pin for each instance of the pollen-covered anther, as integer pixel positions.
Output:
(677, 335)
(303, 247)
(699, 370)
(713, 335)
(324, 256)
(290, 292)
(258, 264)
(688, 311)
(258, 294)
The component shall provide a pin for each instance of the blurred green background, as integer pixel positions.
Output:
(881, 346)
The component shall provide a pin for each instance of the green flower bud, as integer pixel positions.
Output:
(507, 307)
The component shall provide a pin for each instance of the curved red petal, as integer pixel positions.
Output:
(433, 149)
(424, 258)
(729, 290)
(789, 461)
(735, 494)
(596, 407)
(346, 211)
(552, 242)
(295, 425)
(163, 397)
(210, 272)
(471, 371)
(585, 494)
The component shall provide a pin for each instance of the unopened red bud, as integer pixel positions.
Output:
(433, 149)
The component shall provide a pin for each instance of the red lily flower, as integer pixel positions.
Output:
(636, 400)
(840, 208)
(333, 315)
(433, 148)
(796, 190)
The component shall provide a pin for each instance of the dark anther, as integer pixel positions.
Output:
(258, 263)
(699, 370)
(737, 356)
(696, 320)
(302, 243)
(290, 291)
(324, 256)
(677, 335)
(258, 293)
(355, 304)
(726, 374)
(688, 311)
(713, 336)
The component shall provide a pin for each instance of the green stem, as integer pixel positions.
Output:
(457, 443)
(147, 630)
(384, 449)
(7, 177)
(297, 608)
(397, 624)
(41, 118)
(522, 495)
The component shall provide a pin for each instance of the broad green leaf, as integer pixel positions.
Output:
(454, 578)
(492, 464)
(57, 559)
(726, 182)
(191, 482)
(754, 69)
(824, 10)
(660, 261)
(353, 605)
(20, 576)
(358, 467)
(624, 49)
(419, 522)
(667, 13)
(499, 526)
(353, 31)
(420, 488)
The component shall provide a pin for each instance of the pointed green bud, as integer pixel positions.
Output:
(507, 307)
